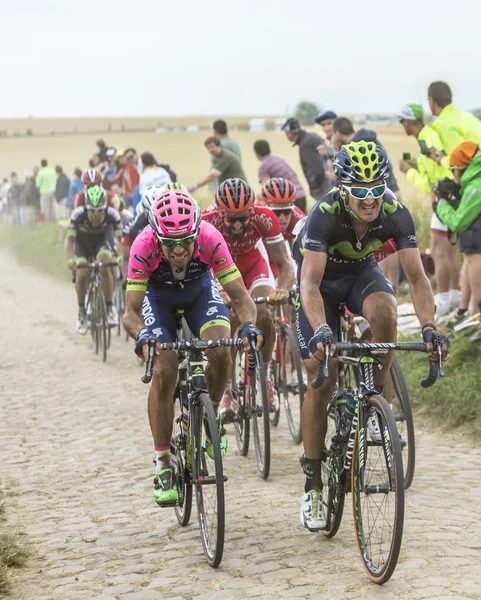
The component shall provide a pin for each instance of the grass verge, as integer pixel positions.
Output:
(454, 400)
(13, 549)
(37, 247)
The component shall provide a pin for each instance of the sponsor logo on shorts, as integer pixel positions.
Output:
(142, 260)
(138, 271)
(221, 261)
(147, 312)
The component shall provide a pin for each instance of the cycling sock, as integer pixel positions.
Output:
(310, 465)
(81, 309)
(163, 455)
(108, 304)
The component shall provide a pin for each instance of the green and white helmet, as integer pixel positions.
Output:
(95, 197)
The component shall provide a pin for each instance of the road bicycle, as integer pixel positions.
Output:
(96, 308)
(286, 372)
(372, 470)
(195, 419)
(396, 390)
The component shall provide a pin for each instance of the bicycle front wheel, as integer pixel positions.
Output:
(403, 415)
(378, 490)
(260, 417)
(239, 394)
(181, 457)
(208, 479)
(102, 327)
(292, 383)
(333, 476)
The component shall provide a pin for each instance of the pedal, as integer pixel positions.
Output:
(167, 504)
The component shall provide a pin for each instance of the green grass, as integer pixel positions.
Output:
(453, 400)
(38, 247)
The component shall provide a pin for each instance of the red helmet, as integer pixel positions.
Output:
(278, 190)
(91, 177)
(234, 196)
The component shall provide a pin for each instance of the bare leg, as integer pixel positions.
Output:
(474, 265)
(160, 403)
(264, 322)
(390, 268)
(219, 368)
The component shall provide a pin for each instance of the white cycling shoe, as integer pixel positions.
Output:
(113, 316)
(82, 324)
(312, 511)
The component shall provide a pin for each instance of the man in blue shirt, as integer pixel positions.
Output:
(76, 186)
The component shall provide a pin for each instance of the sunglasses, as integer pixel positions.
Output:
(173, 242)
(95, 210)
(361, 193)
(231, 219)
(285, 210)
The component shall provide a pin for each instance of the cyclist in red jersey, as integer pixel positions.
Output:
(243, 224)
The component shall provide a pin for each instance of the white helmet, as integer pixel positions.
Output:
(150, 194)
(139, 209)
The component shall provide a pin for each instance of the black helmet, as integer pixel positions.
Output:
(292, 124)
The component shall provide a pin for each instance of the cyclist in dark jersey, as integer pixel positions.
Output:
(88, 239)
(334, 251)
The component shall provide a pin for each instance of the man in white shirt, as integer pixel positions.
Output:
(152, 174)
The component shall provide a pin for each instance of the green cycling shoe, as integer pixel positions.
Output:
(209, 448)
(165, 488)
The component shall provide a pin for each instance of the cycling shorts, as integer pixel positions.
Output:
(470, 240)
(352, 290)
(89, 249)
(255, 270)
(199, 300)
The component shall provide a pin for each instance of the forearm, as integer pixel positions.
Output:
(207, 179)
(423, 300)
(69, 247)
(419, 180)
(244, 308)
(313, 304)
(286, 275)
(133, 322)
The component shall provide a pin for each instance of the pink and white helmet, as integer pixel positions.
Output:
(174, 213)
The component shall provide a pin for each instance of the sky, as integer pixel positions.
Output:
(73, 58)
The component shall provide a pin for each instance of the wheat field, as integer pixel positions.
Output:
(186, 154)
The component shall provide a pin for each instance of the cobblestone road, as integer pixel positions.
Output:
(74, 434)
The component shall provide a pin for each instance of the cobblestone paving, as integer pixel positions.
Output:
(74, 434)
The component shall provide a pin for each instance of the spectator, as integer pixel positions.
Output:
(4, 193)
(312, 162)
(325, 120)
(423, 173)
(225, 165)
(275, 166)
(220, 131)
(76, 186)
(15, 199)
(46, 182)
(102, 153)
(344, 133)
(61, 194)
(31, 196)
(152, 174)
(452, 124)
(128, 175)
(465, 218)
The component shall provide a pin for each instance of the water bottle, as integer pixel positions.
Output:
(346, 407)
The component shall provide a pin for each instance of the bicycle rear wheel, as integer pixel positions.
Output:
(378, 491)
(260, 417)
(292, 382)
(209, 480)
(239, 394)
(181, 458)
(275, 369)
(403, 415)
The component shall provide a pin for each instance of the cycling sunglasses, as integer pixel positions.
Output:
(96, 210)
(231, 219)
(173, 242)
(285, 210)
(361, 193)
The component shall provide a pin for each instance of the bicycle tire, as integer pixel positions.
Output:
(212, 541)
(260, 417)
(93, 321)
(333, 489)
(276, 381)
(120, 304)
(180, 450)
(102, 326)
(291, 354)
(362, 476)
(239, 393)
(400, 390)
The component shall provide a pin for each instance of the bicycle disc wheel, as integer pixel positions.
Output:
(260, 417)
(209, 480)
(332, 477)
(292, 382)
(239, 389)
(276, 382)
(378, 491)
(102, 326)
(403, 415)
(181, 458)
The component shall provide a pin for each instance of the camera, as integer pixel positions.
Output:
(447, 189)
(424, 148)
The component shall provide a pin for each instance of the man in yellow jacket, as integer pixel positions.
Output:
(452, 124)
(423, 173)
